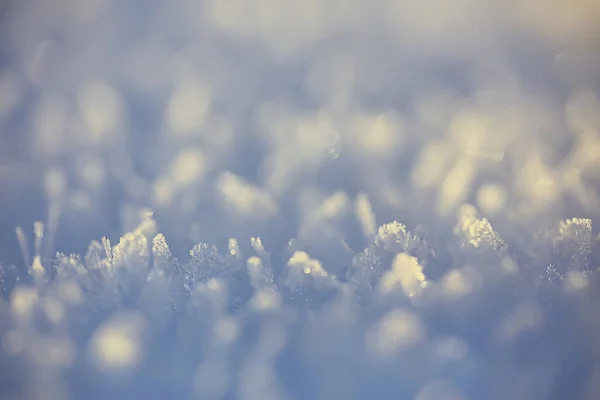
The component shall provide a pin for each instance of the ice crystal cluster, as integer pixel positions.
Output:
(264, 200)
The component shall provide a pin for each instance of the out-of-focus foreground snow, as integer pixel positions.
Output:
(383, 199)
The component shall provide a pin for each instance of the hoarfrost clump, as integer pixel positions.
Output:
(299, 200)
(135, 304)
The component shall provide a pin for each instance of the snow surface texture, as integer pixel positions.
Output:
(383, 199)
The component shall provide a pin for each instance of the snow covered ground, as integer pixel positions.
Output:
(283, 199)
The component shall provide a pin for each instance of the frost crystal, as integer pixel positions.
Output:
(574, 240)
(260, 277)
(565, 248)
(477, 232)
(393, 236)
(161, 253)
(205, 263)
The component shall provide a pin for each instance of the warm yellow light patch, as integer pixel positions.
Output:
(396, 330)
(491, 198)
(406, 273)
(116, 344)
(188, 106)
(100, 108)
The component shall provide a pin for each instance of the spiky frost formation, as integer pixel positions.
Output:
(231, 323)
